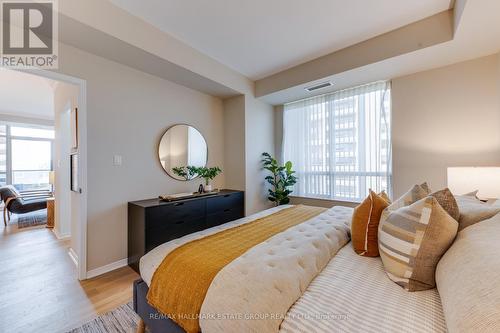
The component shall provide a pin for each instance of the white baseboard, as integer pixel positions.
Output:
(73, 256)
(106, 268)
(61, 236)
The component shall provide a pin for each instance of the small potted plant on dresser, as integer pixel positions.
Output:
(209, 174)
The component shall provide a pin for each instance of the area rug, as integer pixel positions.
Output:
(119, 320)
(32, 219)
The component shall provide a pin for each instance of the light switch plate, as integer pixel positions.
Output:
(117, 160)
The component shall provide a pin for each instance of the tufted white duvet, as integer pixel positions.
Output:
(255, 291)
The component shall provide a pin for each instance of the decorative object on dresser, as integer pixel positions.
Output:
(191, 172)
(179, 146)
(180, 196)
(281, 180)
(153, 222)
(209, 174)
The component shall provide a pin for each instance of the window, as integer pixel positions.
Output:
(25, 156)
(340, 143)
(3, 155)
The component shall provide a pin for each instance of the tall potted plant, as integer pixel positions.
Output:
(282, 178)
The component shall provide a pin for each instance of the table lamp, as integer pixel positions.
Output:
(486, 180)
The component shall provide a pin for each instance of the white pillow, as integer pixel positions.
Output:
(468, 279)
(472, 210)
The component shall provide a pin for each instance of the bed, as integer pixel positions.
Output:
(330, 288)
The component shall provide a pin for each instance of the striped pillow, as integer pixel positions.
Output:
(411, 241)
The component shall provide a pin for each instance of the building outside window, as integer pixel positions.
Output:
(340, 142)
(26, 156)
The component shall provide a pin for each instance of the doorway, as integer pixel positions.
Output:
(36, 154)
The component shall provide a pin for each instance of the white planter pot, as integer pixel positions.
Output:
(208, 188)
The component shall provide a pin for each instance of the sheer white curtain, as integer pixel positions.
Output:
(340, 143)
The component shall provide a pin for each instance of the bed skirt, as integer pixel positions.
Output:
(155, 322)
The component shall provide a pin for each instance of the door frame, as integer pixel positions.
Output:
(81, 232)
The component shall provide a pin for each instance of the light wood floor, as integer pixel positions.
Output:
(39, 289)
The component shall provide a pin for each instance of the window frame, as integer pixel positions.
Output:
(8, 147)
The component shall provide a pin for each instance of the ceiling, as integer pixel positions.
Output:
(26, 95)
(477, 35)
(261, 37)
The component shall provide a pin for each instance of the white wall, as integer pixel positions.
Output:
(259, 134)
(234, 142)
(67, 203)
(445, 117)
(248, 132)
(128, 111)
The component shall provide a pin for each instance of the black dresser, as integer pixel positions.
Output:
(153, 222)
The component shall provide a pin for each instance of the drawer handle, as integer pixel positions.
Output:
(179, 222)
(178, 203)
(225, 196)
(227, 210)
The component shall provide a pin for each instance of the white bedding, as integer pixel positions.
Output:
(353, 294)
(150, 262)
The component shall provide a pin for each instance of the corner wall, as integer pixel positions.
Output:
(234, 143)
(248, 132)
(259, 137)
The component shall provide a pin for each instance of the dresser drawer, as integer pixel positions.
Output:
(227, 215)
(155, 237)
(228, 201)
(172, 215)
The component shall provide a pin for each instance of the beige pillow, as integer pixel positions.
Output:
(448, 202)
(468, 279)
(411, 241)
(416, 193)
(473, 210)
(426, 187)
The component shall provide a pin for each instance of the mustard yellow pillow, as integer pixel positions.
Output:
(365, 220)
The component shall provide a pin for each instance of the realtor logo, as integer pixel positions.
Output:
(29, 34)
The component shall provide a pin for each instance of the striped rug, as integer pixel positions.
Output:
(120, 320)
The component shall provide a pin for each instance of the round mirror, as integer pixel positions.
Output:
(181, 148)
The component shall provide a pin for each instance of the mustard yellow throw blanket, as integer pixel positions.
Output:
(180, 283)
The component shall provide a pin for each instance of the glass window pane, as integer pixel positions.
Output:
(3, 129)
(31, 155)
(32, 132)
(31, 180)
(3, 154)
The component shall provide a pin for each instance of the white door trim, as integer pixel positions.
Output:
(81, 232)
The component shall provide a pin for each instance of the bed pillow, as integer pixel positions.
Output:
(426, 187)
(473, 210)
(365, 220)
(416, 193)
(448, 202)
(411, 241)
(384, 196)
(467, 279)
